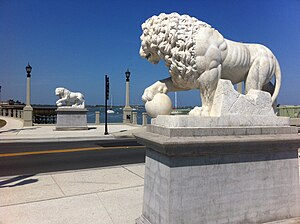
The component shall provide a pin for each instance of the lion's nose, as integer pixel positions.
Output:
(142, 53)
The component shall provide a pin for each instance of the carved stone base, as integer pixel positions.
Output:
(220, 179)
(69, 119)
(127, 115)
(27, 116)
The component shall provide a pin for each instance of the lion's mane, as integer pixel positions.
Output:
(63, 92)
(173, 36)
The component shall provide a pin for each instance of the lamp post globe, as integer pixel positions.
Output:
(127, 74)
(28, 69)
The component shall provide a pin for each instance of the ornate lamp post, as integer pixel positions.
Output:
(127, 109)
(27, 110)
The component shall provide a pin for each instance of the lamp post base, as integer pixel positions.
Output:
(127, 115)
(27, 116)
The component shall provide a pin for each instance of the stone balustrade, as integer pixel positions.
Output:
(9, 112)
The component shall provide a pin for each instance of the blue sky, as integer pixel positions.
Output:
(74, 43)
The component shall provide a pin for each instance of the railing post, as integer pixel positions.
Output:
(145, 119)
(14, 113)
(9, 113)
(134, 117)
(97, 117)
(18, 113)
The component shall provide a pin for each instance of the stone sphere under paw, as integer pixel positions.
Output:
(161, 104)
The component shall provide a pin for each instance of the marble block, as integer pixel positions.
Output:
(222, 121)
(228, 101)
(220, 179)
(71, 118)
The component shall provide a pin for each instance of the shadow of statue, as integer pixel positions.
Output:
(20, 181)
(13, 130)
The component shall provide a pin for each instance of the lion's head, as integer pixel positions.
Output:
(171, 37)
(61, 92)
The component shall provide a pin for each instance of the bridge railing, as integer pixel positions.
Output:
(11, 112)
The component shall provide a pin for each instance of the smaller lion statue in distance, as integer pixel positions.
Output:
(68, 97)
(198, 56)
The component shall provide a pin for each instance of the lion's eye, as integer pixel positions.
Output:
(148, 55)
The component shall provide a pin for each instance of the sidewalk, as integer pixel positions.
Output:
(14, 131)
(111, 195)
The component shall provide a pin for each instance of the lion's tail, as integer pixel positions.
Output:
(277, 81)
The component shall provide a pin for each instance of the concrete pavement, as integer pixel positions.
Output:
(103, 195)
(111, 195)
(14, 131)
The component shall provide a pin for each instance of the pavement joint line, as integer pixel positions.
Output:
(132, 172)
(70, 196)
(64, 151)
(102, 203)
(58, 185)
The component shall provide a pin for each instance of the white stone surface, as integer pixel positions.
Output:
(198, 56)
(161, 104)
(228, 101)
(71, 118)
(71, 99)
(223, 121)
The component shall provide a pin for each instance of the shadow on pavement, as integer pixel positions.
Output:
(17, 129)
(21, 180)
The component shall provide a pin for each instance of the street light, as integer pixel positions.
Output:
(127, 109)
(27, 110)
(28, 70)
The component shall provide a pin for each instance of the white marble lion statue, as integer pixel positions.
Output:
(69, 98)
(198, 56)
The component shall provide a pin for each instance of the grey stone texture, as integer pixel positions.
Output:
(224, 131)
(223, 121)
(71, 118)
(220, 179)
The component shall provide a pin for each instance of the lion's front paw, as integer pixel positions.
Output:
(199, 111)
(152, 90)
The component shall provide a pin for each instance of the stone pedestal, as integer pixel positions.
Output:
(216, 174)
(127, 115)
(27, 116)
(71, 118)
